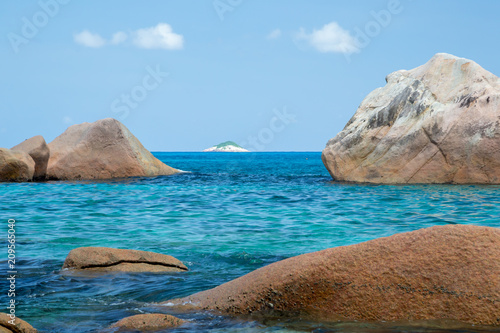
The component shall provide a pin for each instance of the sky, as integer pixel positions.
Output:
(271, 75)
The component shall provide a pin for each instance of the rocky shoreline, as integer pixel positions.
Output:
(105, 149)
(444, 273)
(438, 123)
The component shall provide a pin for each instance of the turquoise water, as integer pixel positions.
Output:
(231, 214)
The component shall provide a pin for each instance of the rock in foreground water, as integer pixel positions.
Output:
(148, 322)
(20, 326)
(106, 259)
(16, 166)
(104, 149)
(438, 123)
(39, 151)
(440, 273)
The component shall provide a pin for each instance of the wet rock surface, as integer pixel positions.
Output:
(148, 322)
(20, 326)
(440, 273)
(105, 259)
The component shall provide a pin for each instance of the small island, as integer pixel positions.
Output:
(227, 147)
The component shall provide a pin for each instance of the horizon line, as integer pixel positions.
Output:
(225, 152)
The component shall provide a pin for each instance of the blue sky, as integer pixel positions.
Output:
(272, 75)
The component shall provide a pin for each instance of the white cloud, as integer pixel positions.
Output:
(331, 38)
(119, 37)
(86, 38)
(67, 120)
(159, 37)
(276, 33)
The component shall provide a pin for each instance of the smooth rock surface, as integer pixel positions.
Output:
(119, 260)
(447, 272)
(39, 151)
(104, 149)
(16, 166)
(438, 123)
(20, 325)
(148, 322)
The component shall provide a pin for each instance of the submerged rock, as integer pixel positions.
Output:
(148, 322)
(39, 151)
(106, 259)
(226, 147)
(16, 166)
(20, 326)
(104, 149)
(438, 123)
(441, 273)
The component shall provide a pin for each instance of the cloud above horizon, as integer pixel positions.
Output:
(160, 36)
(331, 38)
(88, 39)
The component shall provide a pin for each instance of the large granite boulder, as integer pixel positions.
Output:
(148, 322)
(441, 273)
(104, 149)
(19, 326)
(39, 151)
(437, 123)
(106, 259)
(16, 166)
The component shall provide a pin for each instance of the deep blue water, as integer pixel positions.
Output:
(231, 214)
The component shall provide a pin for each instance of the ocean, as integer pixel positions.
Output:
(229, 214)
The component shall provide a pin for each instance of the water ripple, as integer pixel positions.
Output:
(231, 214)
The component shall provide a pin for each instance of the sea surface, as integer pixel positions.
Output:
(230, 214)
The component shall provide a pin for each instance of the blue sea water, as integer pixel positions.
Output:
(231, 214)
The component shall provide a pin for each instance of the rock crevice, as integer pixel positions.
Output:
(119, 262)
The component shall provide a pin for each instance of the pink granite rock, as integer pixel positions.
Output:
(37, 148)
(438, 123)
(441, 273)
(148, 322)
(104, 149)
(120, 260)
(16, 166)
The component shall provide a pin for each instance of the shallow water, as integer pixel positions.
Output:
(231, 214)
